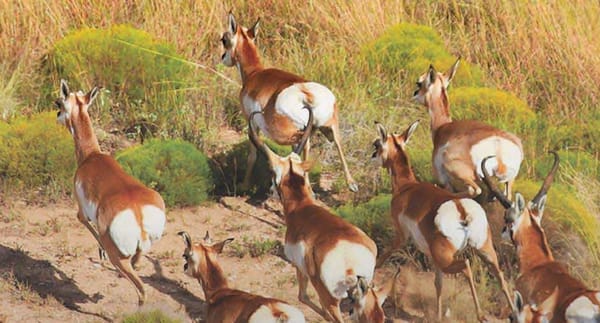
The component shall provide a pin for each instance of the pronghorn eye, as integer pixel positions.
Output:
(186, 256)
(419, 84)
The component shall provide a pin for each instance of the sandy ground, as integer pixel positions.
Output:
(50, 269)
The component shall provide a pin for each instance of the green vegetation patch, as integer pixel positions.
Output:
(37, 152)
(408, 49)
(564, 208)
(154, 316)
(176, 169)
(373, 217)
(142, 76)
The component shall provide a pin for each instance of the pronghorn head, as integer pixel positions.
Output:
(237, 40)
(531, 313)
(391, 147)
(520, 216)
(432, 82)
(71, 105)
(288, 172)
(367, 301)
(198, 256)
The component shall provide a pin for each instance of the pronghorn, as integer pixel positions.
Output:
(224, 303)
(540, 275)
(460, 146)
(281, 96)
(325, 249)
(532, 313)
(441, 223)
(128, 216)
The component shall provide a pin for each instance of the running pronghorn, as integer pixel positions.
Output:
(325, 249)
(460, 146)
(128, 216)
(224, 303)
(542, 280)
(281, 96)
(440, 222)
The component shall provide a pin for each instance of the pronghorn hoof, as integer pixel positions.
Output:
(101, 254)
(353, 187)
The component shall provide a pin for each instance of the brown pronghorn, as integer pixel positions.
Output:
(281, 96)
(224, 303)
(129, 216)
(460, 146)
(543, 280)
(440, 222)
(532, 313)
(325, 249)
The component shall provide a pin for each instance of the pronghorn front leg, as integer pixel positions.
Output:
(336, 139)
(249, 166)
(88, 225)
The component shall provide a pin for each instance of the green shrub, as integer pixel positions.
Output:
(141, 74)
(37, 152)
(564, 208)
(581, 161)
(408, 49)
(373, 217)
(174, 168)
(230, 167)
(155, 316)
(499, 108)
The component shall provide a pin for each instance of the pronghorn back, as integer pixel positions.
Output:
(232, 305)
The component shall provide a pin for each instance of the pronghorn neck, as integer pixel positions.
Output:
(532, 247)
(400, 169)
(86, 142)
(212, 278)
(439, 110)
(293, 200)
(248, 61)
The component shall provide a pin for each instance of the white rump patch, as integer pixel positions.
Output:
(89, 208)
(510, 154)
(448, 221)
(264, 314)
(153, 219)
(295, 253)
(291, 101)
(346, 256)
(582, 310)
(125, 232)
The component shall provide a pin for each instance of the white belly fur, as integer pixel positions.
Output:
(582, 310)
(291, 102)
(264, 314)
(448, 221)
(295, 253)
(438, 163)
(346, 256)
(510, 154)
(89, 208)
(415, 233)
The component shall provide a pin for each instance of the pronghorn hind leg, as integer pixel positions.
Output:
(123, 265)
(338, 144)
(488, 255)
(330, 305)
(303, 294)
(439, 280)
(135, 260)
(88, 225)
(469, 274)
(252, 155)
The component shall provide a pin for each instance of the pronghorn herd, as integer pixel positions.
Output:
(336, 257)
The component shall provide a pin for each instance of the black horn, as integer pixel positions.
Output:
(307, 131)
(548, 180)
(186, 238)
(493, 189)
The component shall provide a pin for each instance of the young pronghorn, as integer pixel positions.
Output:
(226, 304)
(325, 249)
(281, 96)
(129, 216)
(532, 313)
(460, 146)
(440, 222)
(541, 277)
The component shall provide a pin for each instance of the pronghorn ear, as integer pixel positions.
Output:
(519, 203)
(232, 24)
(253, 31)
(431, 75)
(218, 247)
(538, 208)
(64, 89)
(382, 132)
(409, 131)
(207, 238)
(449, 75)
(186, 239)
(518, 301)
(91, 95)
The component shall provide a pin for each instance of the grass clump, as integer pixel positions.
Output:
(407, 49)
(373, 217)
(142, 76)
(174, 168)
(36, 152)
(155, 316)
